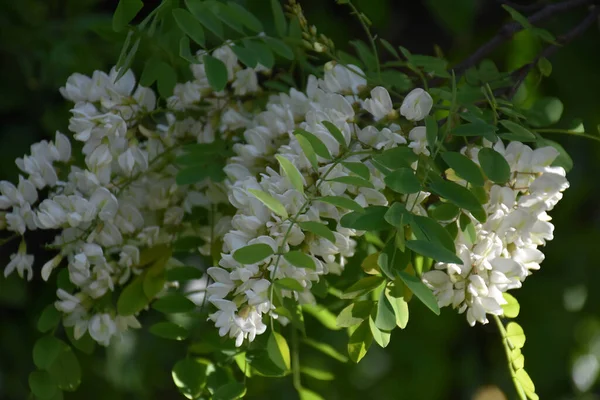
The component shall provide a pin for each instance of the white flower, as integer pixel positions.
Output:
(22, 262)
(343, 79)
(418, 137)
(245, 82)
(102, 328)
(50, 266)
(380, 103)
(416, 105)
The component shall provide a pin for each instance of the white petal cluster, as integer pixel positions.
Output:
(499, 254)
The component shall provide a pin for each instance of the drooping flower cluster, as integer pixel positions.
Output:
(500, 253)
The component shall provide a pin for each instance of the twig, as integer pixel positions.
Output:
(520, 74)
(524, 7)
(510, 29)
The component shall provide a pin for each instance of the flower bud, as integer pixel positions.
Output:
(416, 105)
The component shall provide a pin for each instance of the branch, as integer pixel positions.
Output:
(520, 74)
(510, 29)
(524, 7)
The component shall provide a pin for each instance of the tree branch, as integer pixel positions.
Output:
(520, 74)
(510, 29)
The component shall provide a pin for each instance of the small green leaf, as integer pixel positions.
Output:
(184, 51)
(42, 385)
(389, 48)
(433, 250)
(45, 351)
(166, 79)
(372, 219)
(280, 20)
(381, 337)
(291, 172)
(464, 168)
(515, 334)
(169, 330)
(272, 203)
(420, 290)
(245, 56)
(316, 143)
(403, 180)
(353, 180)
(245, 16)
(397, 215)
(517, 16)
(359, 169)
(174, 303)
(336, 133)
(385, 318)
(545, 66)
(300, 259)
(545, 111)
(517, 130)
(289, 284)
(318, 374)
(279, 351)
(181, 274)
(49, 318)
(132, 299)
(511, 308)
(308, 150)
(190, 376)
(443, 211)
(189, 25)
(216, 72)
(342, 202)
(65, 370)
(125, 12)
(279, 47)
(363, 286)
(318, 229)
(395, 295)
(428, 229)
(253, 253)
(397, 157)
(230, 391)
(460, 196)
(360, 341)
(323, 315)
(306, 394)
(478, 128)
(207, 18)
(354, 314)
(326, 349)
(494, 165)
(263, 53)
(526, 383)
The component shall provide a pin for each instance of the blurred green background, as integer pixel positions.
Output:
(43, 41)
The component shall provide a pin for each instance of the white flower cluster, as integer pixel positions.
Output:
(242, 293)
(503, 251)
(124, 199)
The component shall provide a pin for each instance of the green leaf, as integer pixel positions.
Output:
(371, 219)
(517, 16)
(433, 250)
(458, 195)
(397, 157)
(388, 46)
(263, 53)
(272, 203)
(382, 338)
(132, 299)
(403, 180)
(245, 56)
(229, 18)
(397, 79)
(181, 274)
(189, 25)
(154, 278)
(336, 133)
(323, 315)
(563, 159)
(431, 127)
(150, 72)
(230, 391)
(306, 394)
(291, 172)
(166, 79)
(352, 180)
(365, 54)
(190, 376)
(49, 318)
(397, 215)
(42, 385)
(279, 47)
(511, 308)
(515, 334)
(478, 128)
(316, 143)
(289, 284)
(544, 66)
(360, 341)
(342, 202)
(359, 169)
(216, 72)
(207, 18)
(279, 351)
(545, 111)
(125, 12)
(318, 374)
(395, 295)
(169, 330)
(464, 167)
(184, 51)
(246, 17)
(326, 349)
(65, 370)
(391, 259)
(173, 303)
(420, 290)
(385, 318)
(253, 253)
(354, 314)
(363, 286)
(428, 229)
(280, 21)
(494, 165)
(523, 378)
(517, 130)
(300, 259)
(85, 344)
(45, 351)
(443, 211)
(318, 229)
(308, 150)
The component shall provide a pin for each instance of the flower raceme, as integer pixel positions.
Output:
(298, 169)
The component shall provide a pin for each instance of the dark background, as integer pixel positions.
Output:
(43, 41)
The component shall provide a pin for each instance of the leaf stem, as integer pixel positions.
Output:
(568, 132)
